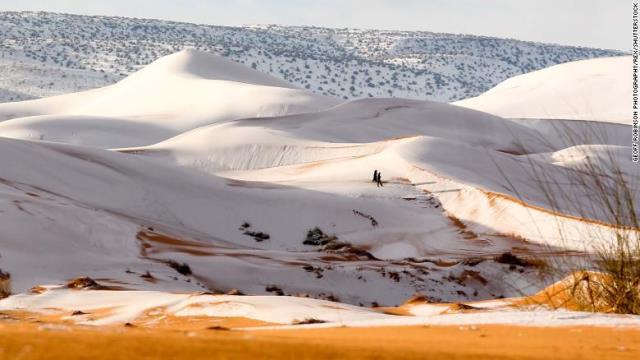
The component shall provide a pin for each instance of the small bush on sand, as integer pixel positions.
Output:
(5, 284)
(258, 236)
(181, 268)
(218, 328)
(83, 283)
(307, 321)
(148, 277)
(511, 259)
(330, 243)
(274, 289)
(316, 237)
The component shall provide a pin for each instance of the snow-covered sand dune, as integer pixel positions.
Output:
(149, 308)
(595, 89)
(199, 174)
(492, 163)
(66, 200)
(175, 93)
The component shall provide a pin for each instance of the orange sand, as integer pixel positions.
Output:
(22, 340)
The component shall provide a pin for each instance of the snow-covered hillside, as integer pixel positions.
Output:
(196, 173)
(173, 94)
(595, 89)
(44, 54)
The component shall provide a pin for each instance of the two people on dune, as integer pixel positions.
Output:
(377, 177)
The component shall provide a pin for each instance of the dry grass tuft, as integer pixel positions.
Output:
(5, 284)
(595, 190)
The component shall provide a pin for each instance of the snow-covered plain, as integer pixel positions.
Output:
(198, 174)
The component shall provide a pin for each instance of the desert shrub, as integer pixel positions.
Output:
(181, 268)
(308, 321)
(258, 236)
(331, 243)
(347, 249)
(83, 282)
(274, 289)
(5, 284)
(218, 328)
(511, 259)
(607, 276)
(316, 237)
(335, 245)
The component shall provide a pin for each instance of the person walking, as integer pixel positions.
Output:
(379, 179)
(375, 176)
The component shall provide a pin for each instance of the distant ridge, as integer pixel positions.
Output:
(51, 54)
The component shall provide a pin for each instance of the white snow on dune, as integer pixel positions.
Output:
(85, 207)
(445, 147)
(596, 89)
(354, 129)
(96, 131)
(368, 120)
(176, 93)
(199, 174)
(190, 63)
(132, 306)
(230, 147)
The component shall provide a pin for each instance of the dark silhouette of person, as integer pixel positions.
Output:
(379, 179)
(375, 176)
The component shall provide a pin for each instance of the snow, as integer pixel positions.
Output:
(128, 306)
(166, 165)
(595, 89)
(69, 187)
(176, 93)
(97, 131)
(196, 64)
(448, 149)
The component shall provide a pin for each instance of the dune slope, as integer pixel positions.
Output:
(196, 174)
(596, 89)
(175, 93)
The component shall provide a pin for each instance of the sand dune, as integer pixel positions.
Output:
(175, 93)
(199, 175)
(596, 89)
